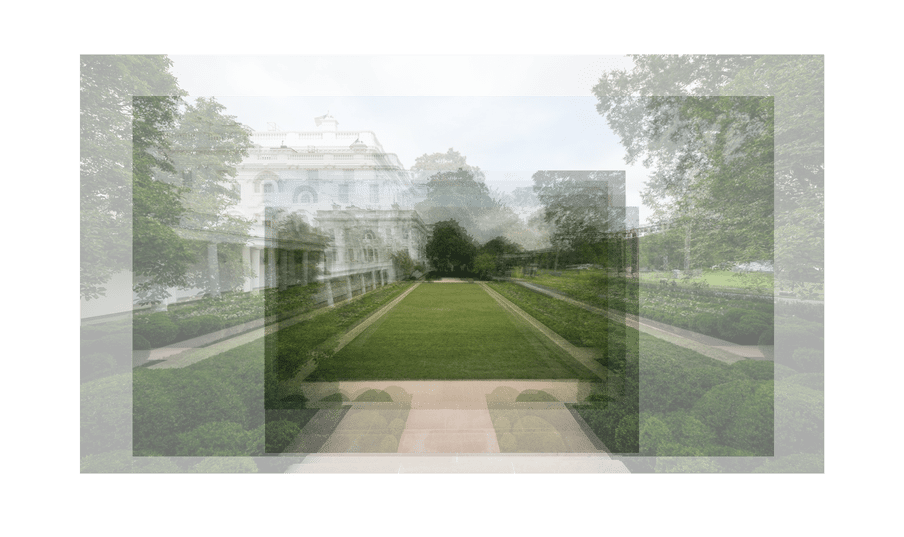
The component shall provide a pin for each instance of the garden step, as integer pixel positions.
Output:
(515, 463)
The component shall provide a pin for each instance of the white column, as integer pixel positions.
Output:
(363, 284)
(329, 293)
(271, 267)
(292, 279)
(213, 270)
(246, 268)
(304, 267)
(256, 280)
(348, 283)
(283, 269)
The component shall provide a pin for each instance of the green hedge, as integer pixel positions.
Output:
(127, 462)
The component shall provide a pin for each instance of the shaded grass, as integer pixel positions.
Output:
(449, 332)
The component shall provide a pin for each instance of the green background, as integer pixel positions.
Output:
(41, 392)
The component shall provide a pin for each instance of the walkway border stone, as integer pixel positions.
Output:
(717, 349)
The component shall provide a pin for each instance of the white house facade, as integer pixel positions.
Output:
(357, 198)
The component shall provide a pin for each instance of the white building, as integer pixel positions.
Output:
(358, 197)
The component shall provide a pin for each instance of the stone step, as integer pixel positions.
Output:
(451, 464)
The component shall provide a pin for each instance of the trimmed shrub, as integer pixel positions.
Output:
(743, 326)
(602, 414)
(706, 323)
(389, 444)
(808, 360)
(120, 346)
(767, 337)
(280, 434)
(719, 407)
(799, 415)
(127, 462)
(396, 427)
(199, 326)
(229, 465)
(251, 379)
(800, 463)
(173, 401)
(157, 328)
(508, 443)
(96, 364)
(502, 425)
(106, 420)
(217, 439)
(814, 381)
(755, 369)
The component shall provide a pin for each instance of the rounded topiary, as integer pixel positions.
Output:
(502, 425)
(120, 346)
(226, 465)
(396, 427)
(804, 463)
(199, 326)
(814, 381)
(808, 360)
(743, 326)
(374, 396)
(105, 421)
(763, 370)
(602, 414)
(214, 439)
(97, 363)
(767, 337)
(124, 461)
(389, 444)
(706, 323)
(508, 443)
(719, 406)
(280, 434)
(157, 328)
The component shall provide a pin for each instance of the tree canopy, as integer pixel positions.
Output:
(706, 126)
(450, 249)
(128, 105)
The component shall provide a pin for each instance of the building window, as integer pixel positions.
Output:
(343, 193)
(305, 197)
(374, 193)
(351, 256)
(313, 175)
(268, 188)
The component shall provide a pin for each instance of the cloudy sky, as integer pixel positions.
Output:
(509, 115)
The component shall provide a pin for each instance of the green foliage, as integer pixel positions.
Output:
(97, 364)
(140, 343)
(157, 328)
(743, 326)
(280, 434)
(450, 248)
(813, 381)
(180, 404)
(403, 263)
(216, 439)
(199, 325)
(798, 463)
(226, 465)
(123, 462)
(741, 414)
(755, 369)
(107, 86)
(706, 323)
(106, 419)
(807, 360)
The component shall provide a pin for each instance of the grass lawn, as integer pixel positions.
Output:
(449, 332)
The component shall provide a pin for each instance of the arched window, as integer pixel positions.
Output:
(268, 188)
(304, 194)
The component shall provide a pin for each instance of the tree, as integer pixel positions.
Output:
(450, 248)
(578, 207)
(427, 166)
(404, 265)
(206, 146)
(496, 249)
(107, 86)
(706, 125)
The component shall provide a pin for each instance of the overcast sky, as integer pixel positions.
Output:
(509, 115)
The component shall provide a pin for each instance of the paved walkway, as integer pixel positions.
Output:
(715, 348)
